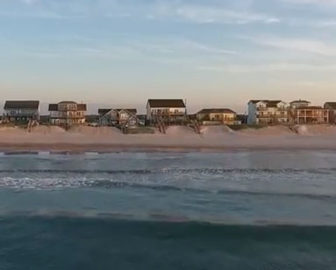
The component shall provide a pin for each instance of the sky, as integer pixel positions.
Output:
(213, 53)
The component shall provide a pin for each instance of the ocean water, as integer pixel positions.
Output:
(232, 210)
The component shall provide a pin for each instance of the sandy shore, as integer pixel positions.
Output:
(107, 139)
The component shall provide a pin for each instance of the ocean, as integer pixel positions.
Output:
(164, 210)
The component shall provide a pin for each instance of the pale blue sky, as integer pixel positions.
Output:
(211, 52)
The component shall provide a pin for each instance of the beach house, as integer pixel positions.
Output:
(67, 113)
(267, 112)
(168, 111)
(331, 106)
(118, 117)
(301, 112)
(311, 115)
(21, 111)
(218, 116)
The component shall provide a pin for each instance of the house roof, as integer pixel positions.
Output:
(132, 111)
(255, 100)
(166, 103)
(331, 105)
(53, 107)
(105, 111)
(22, 104)
(272, 103)
(269, 103)
(67, 102)
(216, 110)
(300, 101)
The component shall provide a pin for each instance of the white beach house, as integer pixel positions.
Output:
(267, 112)
(21, 111)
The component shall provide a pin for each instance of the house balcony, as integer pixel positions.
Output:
(168, 114)
(272, 117)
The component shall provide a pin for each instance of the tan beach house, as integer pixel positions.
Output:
(267, 112)
(118, 117)
(301, 112)
(331, 106)
(311, 115)
(21, 111)
(168, 111)
(218, 116)
(67, 113)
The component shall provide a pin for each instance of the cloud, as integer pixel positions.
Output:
(170, 50)
(207, 14)
(256, 68)
(29, 2)
(295, 44)
(212, 12)
(319, 2)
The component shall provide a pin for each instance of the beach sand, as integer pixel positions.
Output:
(214, 138)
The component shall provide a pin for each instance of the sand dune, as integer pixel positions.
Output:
(214, 137)
(268, 131)
(180, 131)
(316, 130)
(216, 131)
(95, 131)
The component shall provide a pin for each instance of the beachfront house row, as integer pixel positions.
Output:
(218, 116)
(21, 111)
(118, 117)
(267, 112)
(167, 111)
(331, 106)
(67, 113)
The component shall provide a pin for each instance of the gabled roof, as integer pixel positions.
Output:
(131, 111)
(166, 103)
(269, 103)
(105, 111)
(331, 105)
(255, 101)
(216, 110)
(300, 101)
(22, 104)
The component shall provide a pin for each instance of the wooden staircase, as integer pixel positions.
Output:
(160, 124)
(196, 126)
(31, 124)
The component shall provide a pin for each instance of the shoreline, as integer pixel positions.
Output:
(111, 148)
